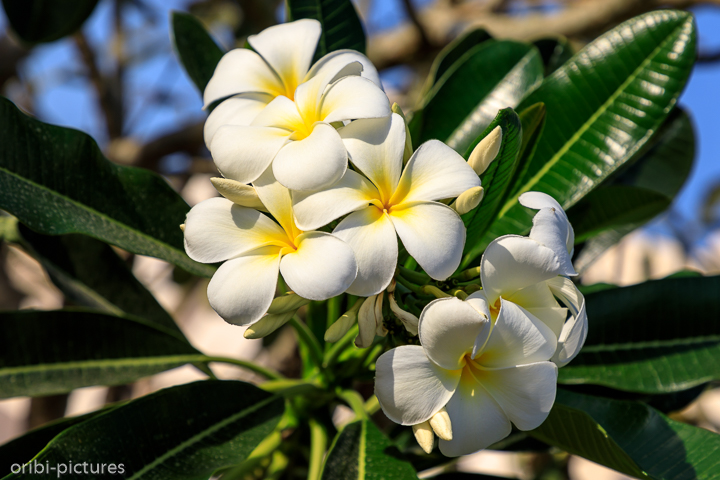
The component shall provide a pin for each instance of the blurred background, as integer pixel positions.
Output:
(119, 80)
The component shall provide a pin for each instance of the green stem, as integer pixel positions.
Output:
(333, 310)
(277, 467)
(265, 448)
(410, 286)
(265, 372)
(354, 401)
(332, 355)
(417, 277)
(468, 274)
(372, 405)
(290, 387)
(436, 292)
(307, 336)
(318, 446)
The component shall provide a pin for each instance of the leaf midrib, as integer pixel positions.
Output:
(361, 450)
(106, 362)
(650, 344)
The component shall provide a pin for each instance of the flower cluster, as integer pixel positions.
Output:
(320, 149)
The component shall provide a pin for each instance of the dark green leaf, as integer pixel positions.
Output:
(630, 437)
(37, 21)
(453, 52)
(554, 51)
(659, 336)
(56, 181)
(361, 452)
(496, 180)
(602, 107)
(468, 96)
(341, 26)
(180, 433)
(195, 48)
(57, 351)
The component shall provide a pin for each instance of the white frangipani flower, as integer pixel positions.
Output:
(531, 272)
(485, 374)
(254, 249)
(392, 202)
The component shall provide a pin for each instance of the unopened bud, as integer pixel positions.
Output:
(268, 324)
(366, 323)
(407, 153)
(380, 329)
(440, 423)
(468, 200)
(182, 227)
(424, 436)
(288, 302)
(341, 326)
(238, 193)
(409, 320)
(485, 152)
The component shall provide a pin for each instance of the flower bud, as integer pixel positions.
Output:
(341, 326)
(468, 200)
(424, 436)
(440, 423)
(407, 153)
(285, 303)
(380, 329)
(409, 320)
(238, 193)
(486, 151)
(366, 323)
(182, 227)
(268, 324)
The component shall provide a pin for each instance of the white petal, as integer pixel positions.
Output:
(477, 419)
(288, 48)
(526, 393)
(315, 209)
(367, 322)
(335, 62)
(241, 71)
(238, 110)
(539, 301)
(511, 263)
(563, 229)
(322, 267)
(372, 237)
(411, 388)
(280, 113)
(435, 171)
(313, 163)
(574, 332)
(278, 201)
(217, 229)
(433, 234)
(243, 288)
(517, 338)
(478, 301)
(354, 97)
(375, 146)
(243, 153)
(448, 328)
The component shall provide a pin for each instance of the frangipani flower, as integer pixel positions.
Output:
(528, 271)
(392, 202)
(484, 374)
(254, 249)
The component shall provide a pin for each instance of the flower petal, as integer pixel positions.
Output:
(313, 163)
(551, 227)
(574, 332)
(243, 153)
(315, 209)
(448, 328)
(280, 113)
(243, 288)
(278, 202)
(433, 234)
(511, 263)
(539, 301)
(216, 229)
(435, 171)
(517, 338)
(288, 48)
(373, 239)
(477, 420)
(353, 97)
(526, 393)
(237, 110)
(411, 388)
(336, 61)
(241, 71)
(375, 146)
(538, 201)
(322, 267)
(478, 301)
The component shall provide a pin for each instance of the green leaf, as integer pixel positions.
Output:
(341, 26)
(659, 336)
(196, 49)
(602, 107)
(554, 52)
(496, 180)
(361, 452)
(56, 181)
(467, 97)
(50, 352)
(454, 52)
(630, 437)
(180, 433)
(39, 21)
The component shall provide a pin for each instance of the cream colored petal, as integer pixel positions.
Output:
(237, 110)
(409, 321)
(373, 239)
(217, 229)
(351, 98)
(238, 193)
(280, 113)
(539, 301)
(433, 234)
(337, 61)
(411, 388)
(551, 227)
(574, 332)
(367, 323)
(278, 201)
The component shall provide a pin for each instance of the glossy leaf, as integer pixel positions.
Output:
(454, 52)
(361, 452)
(195, 48)
(180, 433)
(602, 107)
(630, 437)
(48, 352)
(496, 180)
(341, 26)
(659, 336)
(56, 181)
(39, 21)
(468, 96)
